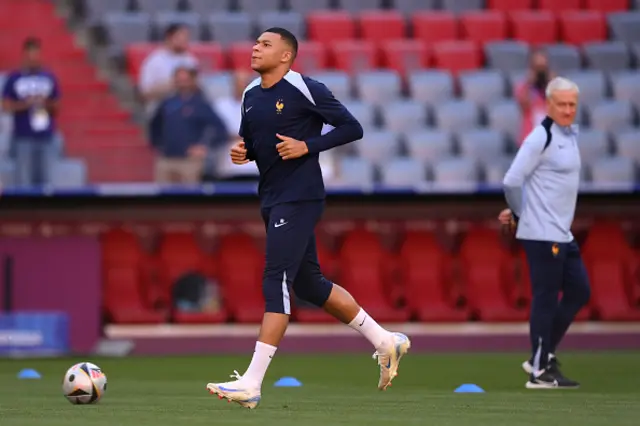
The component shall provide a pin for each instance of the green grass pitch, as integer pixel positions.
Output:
(337, 390)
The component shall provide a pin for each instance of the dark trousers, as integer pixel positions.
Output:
(291, 256)
(554, 268)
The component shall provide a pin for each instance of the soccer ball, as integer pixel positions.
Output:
(84, 383)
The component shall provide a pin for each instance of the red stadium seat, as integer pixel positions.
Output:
(607, 6)
(210, 56)
(355, 56)
(240, 267)
(426, 277)
(534, 27)
(380, 25)
(178, 255)
(135, 54)
(483, 27)
(364, 271)
(405, 56)
(582, 27)
(239, 55)
(312, 56)
(609, 261)
(489, 277)
(124, 279)
(330, 26)
(510, 5)
(431, 27)
(457, 56)
(560, 6)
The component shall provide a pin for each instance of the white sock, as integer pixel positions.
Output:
(371, 330)
(259, 364)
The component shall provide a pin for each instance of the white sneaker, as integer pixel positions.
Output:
(390, 359)
(236, 391)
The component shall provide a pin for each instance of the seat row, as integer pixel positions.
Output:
(420, 281)
(535, 27)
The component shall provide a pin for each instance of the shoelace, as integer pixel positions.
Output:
(236, 375)
(377, 355)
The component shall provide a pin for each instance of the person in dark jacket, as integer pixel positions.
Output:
(182, 129)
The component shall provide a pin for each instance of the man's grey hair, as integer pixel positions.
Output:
(561, 83)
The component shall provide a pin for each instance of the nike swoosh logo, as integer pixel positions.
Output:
(365, 318)
(278, 225)
(248, 109)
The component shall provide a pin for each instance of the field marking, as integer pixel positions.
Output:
(455, 329)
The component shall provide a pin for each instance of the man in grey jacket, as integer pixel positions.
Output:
(541, 189)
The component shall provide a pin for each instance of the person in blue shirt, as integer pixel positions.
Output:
(541, 189)
(183, 128)
(31, 95)
(283, 113)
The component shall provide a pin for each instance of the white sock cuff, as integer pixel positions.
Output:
(265, 348)
(358, 319)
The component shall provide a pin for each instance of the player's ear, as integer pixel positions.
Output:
(287, 56)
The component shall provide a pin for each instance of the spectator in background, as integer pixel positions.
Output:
(157, 71)
(530, 93)
(183, 128)
(31, 95)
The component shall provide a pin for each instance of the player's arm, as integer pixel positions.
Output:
(525, 162)
(346, 128)
(246, 136)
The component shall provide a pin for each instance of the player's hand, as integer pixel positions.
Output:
(291, 148)
(239, 153)
(506, 218)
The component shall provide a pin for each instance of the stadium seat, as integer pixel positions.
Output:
(489, 277)
(510, 5)
(592, 84)
(254, 8)
(507, 55)
(458, 6)
(429, 145)
(607, 56)
(355, 172)
(482, 145)
(625, 26)
(404, 115)
(456, 56)
(217, 85)
(95, 10)
(179, 254)
(125, 27)
(355, 56)
(230, 27)
(239, 55)
(431, 27)
(483, 26)
(563, 58)
(305, 6)
(607, 6)
(455, 173)
(363, 112)
(405, 56)
(426, 275)
(241, 265)
(204, 7)
(430, 86)
(312, 57)
(403, 172)
(626, 87)
(613, 170)
(609, 259)
(409, 7)
(355, 6)
(378, 146)
(626, 143)
(381, 25)
(153, 6)
(330, 26)
(378, 87)
(210, 56)
(457, 115)
(364, 271)
(593, 144)
(482, 87)
(583, 26)
(611, 115)
(123, 264)
(337, 81)
(534, 27)
(560, 6)
(292, 21)
(191, 20)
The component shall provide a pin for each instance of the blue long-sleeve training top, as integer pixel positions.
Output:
(541, 186)
(297, 106)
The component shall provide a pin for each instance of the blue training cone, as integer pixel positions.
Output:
(469, 388)
(288, 382)
(28, 373)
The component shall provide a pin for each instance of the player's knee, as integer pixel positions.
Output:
(315, 291)
(276, 295)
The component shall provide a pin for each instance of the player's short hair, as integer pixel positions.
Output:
(172, 29)
(288, 37)
(31, 43)
(561, 83)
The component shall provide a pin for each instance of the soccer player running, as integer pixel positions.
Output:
(541, 189)
(283, 113)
